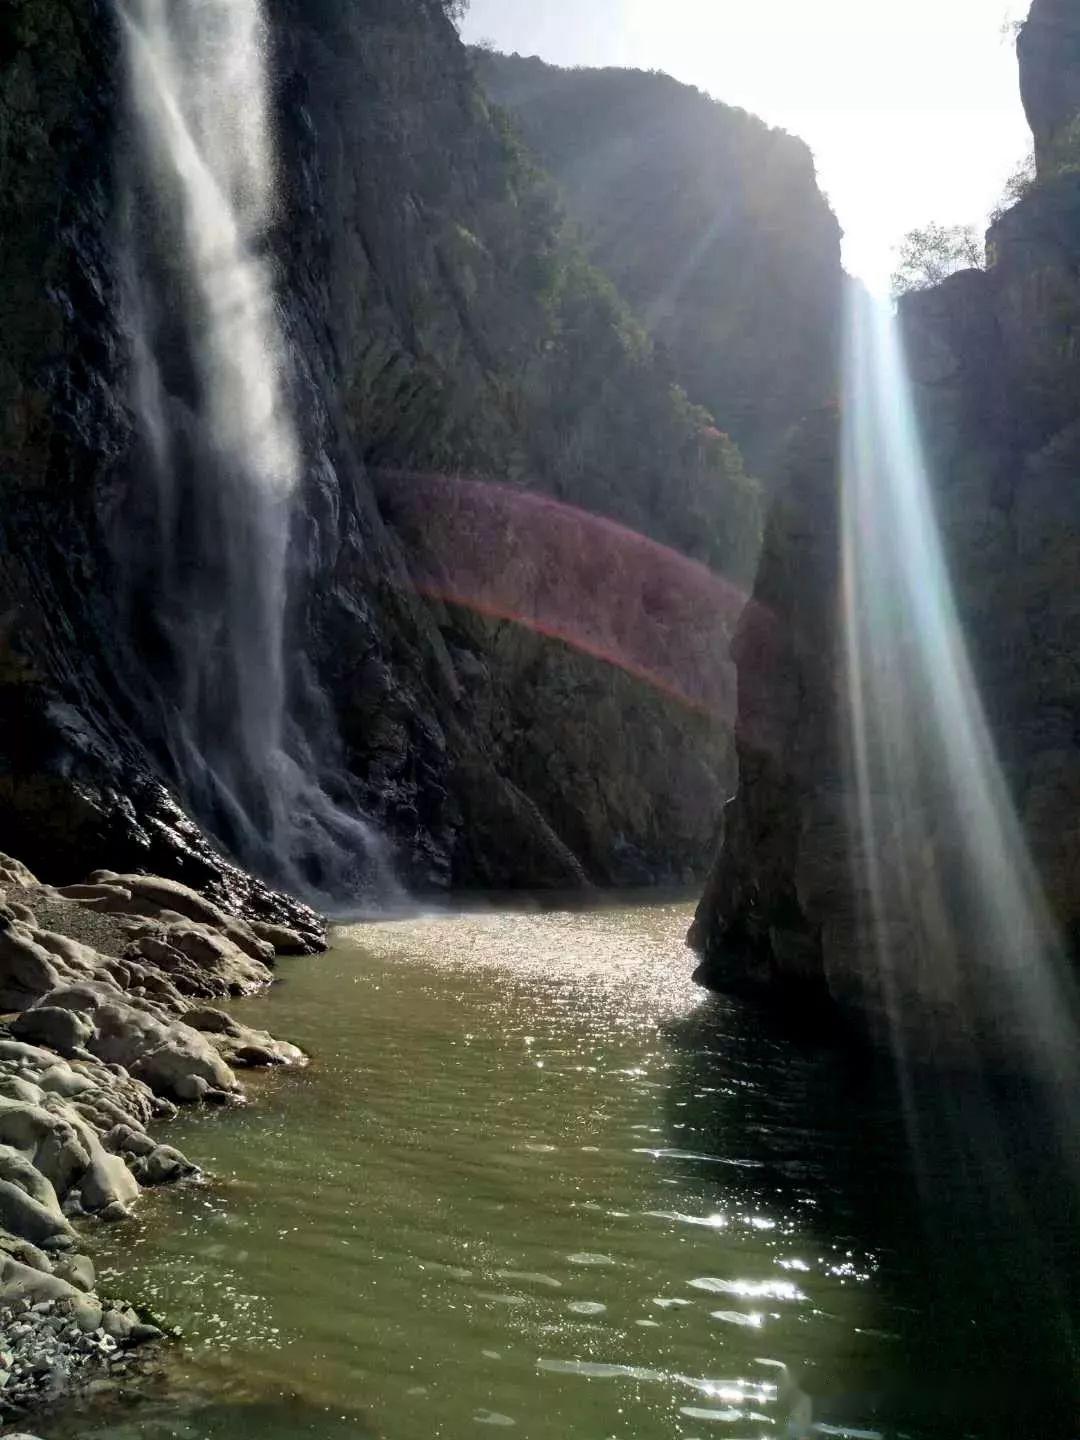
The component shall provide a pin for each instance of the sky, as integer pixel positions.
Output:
(911, 107)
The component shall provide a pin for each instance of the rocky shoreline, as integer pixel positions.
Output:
(107, 1024)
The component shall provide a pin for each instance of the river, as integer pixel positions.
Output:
(536, 1182)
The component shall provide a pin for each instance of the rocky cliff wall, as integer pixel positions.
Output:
(442, 327)
(709, 221)
(440, 323)
(993, 360)
(462, 337)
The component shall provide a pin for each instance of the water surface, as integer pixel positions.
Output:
(535, 1182)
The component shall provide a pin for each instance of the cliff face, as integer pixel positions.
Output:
(440, 327)
(710, 223)
(993, 361)
(468, 339)
(1049, 51)
(78, 775)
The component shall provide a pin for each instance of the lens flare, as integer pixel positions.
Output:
(512, 554)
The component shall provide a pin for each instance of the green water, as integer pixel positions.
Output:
(535, 1182)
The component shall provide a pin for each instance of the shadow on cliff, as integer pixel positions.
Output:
(949, 1199)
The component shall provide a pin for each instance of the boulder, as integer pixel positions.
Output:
(64, 1031)
(201, 961)
(27, 970)
(77, 1270)
(284, 940)
(21, 1282)
(26, 1254)
(152, 895)
(15, 874)
(28, 1203)
(52, 1143)
(151, 1048)
(239, 1044)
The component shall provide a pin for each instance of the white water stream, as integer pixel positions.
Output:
(210, 386)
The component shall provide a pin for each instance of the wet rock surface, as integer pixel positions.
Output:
(52, 1346)
(97, 1047)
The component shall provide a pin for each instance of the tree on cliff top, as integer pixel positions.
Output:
(931, 254)
(455, 10)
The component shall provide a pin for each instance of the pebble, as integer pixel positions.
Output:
(48, 1349)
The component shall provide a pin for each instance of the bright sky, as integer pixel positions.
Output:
(911, 107)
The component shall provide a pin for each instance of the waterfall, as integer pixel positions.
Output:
(205, 541)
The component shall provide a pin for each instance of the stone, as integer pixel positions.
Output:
(156, 894)
(77, 1270)
(126, 1140)
(64, 1031)
(15, 874)
(118, 1325)
(192, 1088)
(116, 894)
(87, 1313)
(25, 1253)
(84, 1069)
(26, 968)
(213, 1022)
(217, 965)
(284, 940)
(29, 1205)
(21, 1283)
(255, 1056)
(163, 1166)
(145, 1334)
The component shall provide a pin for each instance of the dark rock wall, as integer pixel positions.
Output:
(78, 784)
(439, 321)
(433, 302)
(1049, 50)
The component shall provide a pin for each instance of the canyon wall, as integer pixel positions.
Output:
(993, 361)
(710, 222)
(443, 329)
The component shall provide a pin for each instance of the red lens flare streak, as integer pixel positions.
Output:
(594, 584)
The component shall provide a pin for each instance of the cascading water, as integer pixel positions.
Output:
(206, 546)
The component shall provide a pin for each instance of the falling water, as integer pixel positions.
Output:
(960, 935)
(207, 544)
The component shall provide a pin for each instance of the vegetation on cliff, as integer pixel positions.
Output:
(443, 318)
(710, 223)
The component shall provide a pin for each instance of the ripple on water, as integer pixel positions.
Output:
(749, 1289)
(427, 1227)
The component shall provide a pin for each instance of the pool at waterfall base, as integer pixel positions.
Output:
(534, 1181)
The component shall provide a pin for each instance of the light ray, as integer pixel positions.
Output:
(962, 939)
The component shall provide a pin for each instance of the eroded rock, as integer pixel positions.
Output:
(100, 1048)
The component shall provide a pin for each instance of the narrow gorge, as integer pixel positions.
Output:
(539, 744)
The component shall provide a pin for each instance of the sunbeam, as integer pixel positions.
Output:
(960, 937)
